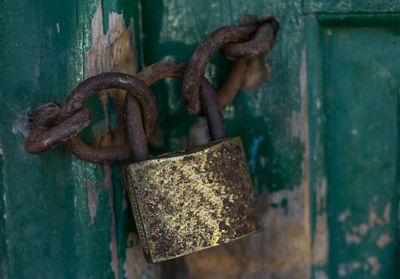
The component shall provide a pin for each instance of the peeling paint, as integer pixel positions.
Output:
(111, 52)
(348, 269)
(351, 239)
(135, 266)
(320, 244)
(344, 215)
(374, 218)
(383, 240)
(93, 200)
(386, 212)
(362, 229)
(374, 264)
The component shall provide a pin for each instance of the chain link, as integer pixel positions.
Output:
(55, 125)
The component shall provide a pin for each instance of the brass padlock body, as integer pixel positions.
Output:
(185, 202)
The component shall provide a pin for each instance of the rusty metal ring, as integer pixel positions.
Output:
(203, 54)
(257, 46)
(167, 69)
(45, 137)
(134, 87)
(237, 35)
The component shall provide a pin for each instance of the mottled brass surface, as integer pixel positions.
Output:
(186, 202)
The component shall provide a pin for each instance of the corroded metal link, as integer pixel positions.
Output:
(54, 125)
(203, 54)
(232, 84)
(242, 42)
(174, 69)
(135, 132)
(257, 46)
(134, 87)
(103, 155)
(43, 138)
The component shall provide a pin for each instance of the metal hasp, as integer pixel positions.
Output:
(188, 201)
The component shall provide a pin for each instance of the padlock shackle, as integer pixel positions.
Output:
(159, 71)
(209, 100)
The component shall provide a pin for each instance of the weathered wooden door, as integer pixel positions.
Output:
(321, 137)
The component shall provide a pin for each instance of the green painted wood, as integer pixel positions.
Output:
(351, 6)
(46, 230)
(353, 139)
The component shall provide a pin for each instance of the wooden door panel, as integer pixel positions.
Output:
(354, 127)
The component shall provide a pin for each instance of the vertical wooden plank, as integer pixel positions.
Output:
(354, 134)
(318, 176)
(362, 147)
(48, 199)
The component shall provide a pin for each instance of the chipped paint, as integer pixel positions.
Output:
(344, 215)
(348, 269)
(113, 51)
(93, 199)
(135, 266)
(374, 218)
(374, 265)
(361, 229)
(352, 239)
(320, 244)
(383, 240)
(386, 212)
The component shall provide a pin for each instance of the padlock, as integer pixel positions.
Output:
(194, 199)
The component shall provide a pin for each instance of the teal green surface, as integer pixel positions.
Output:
(354, 136)
(351, 6)
(362, 144)
(45, 227)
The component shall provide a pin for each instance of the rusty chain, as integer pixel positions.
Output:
(55, 125)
